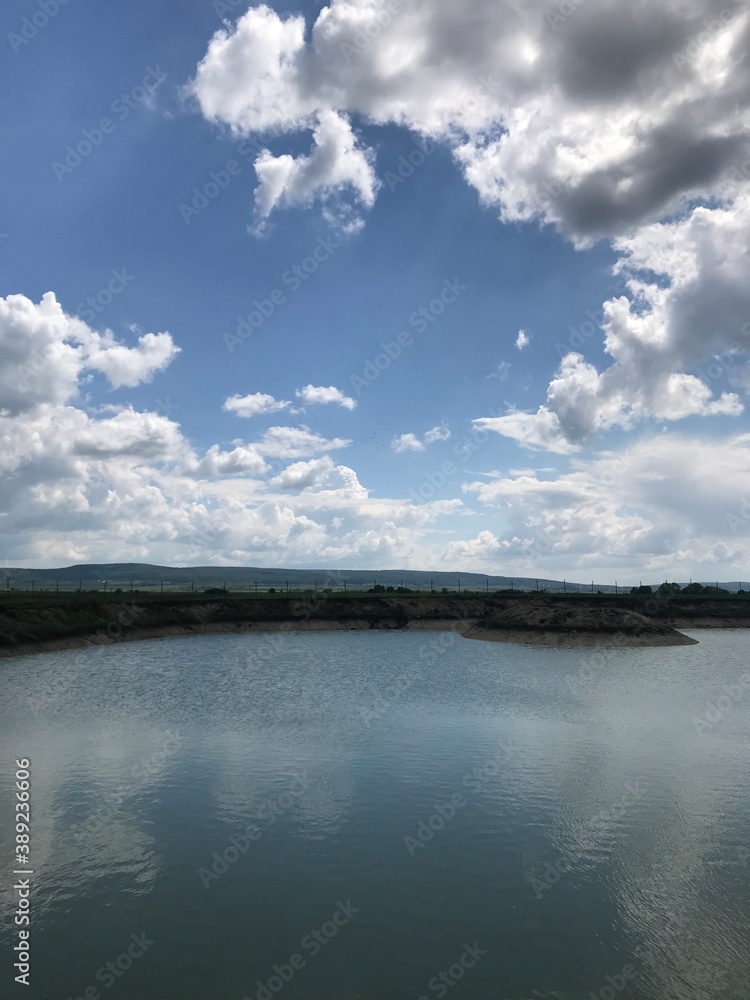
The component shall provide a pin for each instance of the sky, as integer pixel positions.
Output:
(378, 284)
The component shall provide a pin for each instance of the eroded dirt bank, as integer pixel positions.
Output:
(571, 626)
(82, 620)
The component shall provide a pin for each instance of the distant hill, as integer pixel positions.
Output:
(141, 575)
(92, 576)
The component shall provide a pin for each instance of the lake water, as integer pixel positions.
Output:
(381, 816)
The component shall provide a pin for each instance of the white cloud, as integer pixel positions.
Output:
(254, 405)
(689, 299)
(502, 371)
(114, 484)
(303, 475)
(242, 460)
(319, 474)
(410, 442)
(601, 122)
(668, 506)
(44, 352)
(250, 76)
(321, 395)
(335, 165)
(407, 442)
(522, 340)
(439, 433)
(296, 442)
(580, 125)
(130, 366)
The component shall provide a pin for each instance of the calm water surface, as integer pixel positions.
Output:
(381, 816)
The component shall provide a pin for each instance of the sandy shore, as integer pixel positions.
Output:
(573, 640)
(575, 626)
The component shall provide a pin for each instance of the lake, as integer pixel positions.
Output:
(381, 816)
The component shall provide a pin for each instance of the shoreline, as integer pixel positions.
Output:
(226, 628)
(548, 640)
(573, 640)
(48, 625)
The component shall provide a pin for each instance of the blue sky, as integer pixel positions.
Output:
(609, 448)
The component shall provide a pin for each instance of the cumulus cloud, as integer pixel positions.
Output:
(44, 352)
(439, 433)
(578, 122)
(111, 483)
(254, 405)
(318, 474)
(668, 505)
(243, 460)
(630, 123)
(688, 300)
(407, 442)
(320, 395)
(522, 340)
(130, 366)
(296, 442)
(335, 165)
(410, 442)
